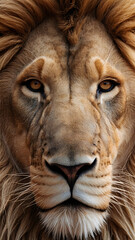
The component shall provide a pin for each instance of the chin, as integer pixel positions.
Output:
(71, 222)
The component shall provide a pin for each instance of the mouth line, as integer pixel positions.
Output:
(71, 202)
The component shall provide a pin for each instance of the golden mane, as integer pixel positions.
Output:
(17, 19)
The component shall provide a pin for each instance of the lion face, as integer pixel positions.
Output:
(69, 107)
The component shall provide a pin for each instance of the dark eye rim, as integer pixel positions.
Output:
(114, 83)
(27, 82)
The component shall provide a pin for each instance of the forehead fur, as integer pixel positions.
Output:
(19, 17)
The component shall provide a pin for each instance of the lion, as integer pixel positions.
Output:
(67, 119)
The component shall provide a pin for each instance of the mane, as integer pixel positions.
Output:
(17, 19)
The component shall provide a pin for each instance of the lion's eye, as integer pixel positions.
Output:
(34, 85)
(106, 86)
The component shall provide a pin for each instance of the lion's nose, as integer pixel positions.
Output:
(71, 173)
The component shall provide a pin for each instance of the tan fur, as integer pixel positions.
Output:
(65, 46)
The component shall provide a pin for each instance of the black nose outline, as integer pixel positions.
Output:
(83, 168)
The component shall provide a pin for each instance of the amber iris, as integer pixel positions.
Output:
(106, 85)
(35, 84)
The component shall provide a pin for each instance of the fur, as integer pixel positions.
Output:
(118, 17)
(17, 19)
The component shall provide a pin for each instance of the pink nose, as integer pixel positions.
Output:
(71, 173)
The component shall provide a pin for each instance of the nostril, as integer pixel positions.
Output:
(71, 173)
(87, 167)
(54, 168)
